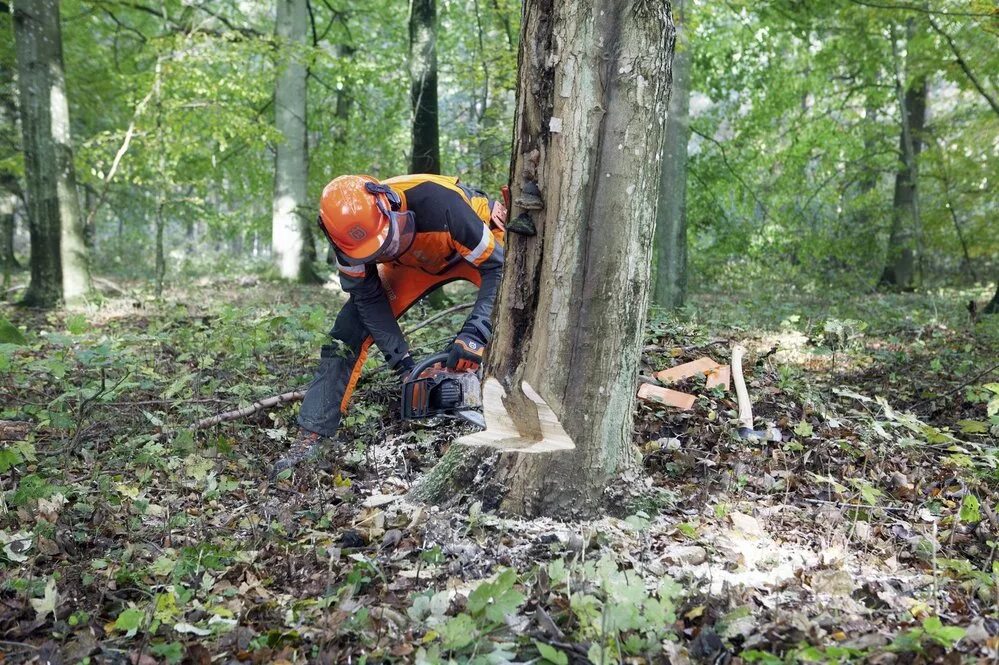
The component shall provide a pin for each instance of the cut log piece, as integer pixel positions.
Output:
(702, 365)
(518, 425)
(666, 396)
(720, 376)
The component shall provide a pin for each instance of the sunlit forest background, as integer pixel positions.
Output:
(827, 207)
(794, 150)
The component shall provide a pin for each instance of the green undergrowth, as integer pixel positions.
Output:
(126, 535)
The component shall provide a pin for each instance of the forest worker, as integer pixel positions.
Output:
(396, 241)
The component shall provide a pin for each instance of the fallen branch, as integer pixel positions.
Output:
(259, 405)
(298, 395)
(967, 383)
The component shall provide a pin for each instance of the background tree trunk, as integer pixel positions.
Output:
(341, 130)
(591, 102)
(993, 306)
(58, 254)
(901, 261)
(671, 217)
(423, 88)
(291, 171)
(423, 96)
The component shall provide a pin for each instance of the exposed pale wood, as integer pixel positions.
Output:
(666, 396)
(745, 406)
(720, 376)
(702, 365)
(511, 427)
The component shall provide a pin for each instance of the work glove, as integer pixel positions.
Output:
(465, 353)
(404, 367)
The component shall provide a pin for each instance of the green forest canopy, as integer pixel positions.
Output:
(794, 145)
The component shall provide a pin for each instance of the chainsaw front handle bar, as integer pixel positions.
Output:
(427, 363)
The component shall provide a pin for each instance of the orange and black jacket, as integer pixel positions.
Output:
(452, 226)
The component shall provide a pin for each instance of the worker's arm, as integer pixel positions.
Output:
(365, 289)
(477, 245)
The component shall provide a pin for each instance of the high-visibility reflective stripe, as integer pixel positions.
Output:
(484, 244)
(353, 271)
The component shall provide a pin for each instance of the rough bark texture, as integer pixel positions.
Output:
(291, 165)
(58, 254)
(670, 287)
(423, 89)
(592, 97)
(901, 261)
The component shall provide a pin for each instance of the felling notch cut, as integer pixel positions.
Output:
(525, 425)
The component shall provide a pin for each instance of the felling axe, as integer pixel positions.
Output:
(746, 430)
(518, 423)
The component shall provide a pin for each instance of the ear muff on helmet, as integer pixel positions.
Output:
(376, 188)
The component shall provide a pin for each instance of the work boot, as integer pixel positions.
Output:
(306, 447)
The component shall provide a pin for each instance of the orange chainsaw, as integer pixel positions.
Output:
(433, 391)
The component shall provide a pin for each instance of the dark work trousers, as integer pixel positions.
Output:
(341, 361)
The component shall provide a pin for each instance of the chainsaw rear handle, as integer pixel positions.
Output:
(427, 363)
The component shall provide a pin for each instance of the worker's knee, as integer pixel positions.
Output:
(347, 335)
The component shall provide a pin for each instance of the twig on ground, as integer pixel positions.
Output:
(862, 506)
(955, 389)
(259, 405)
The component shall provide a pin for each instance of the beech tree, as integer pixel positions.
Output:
(59, 269)
(670, 286)
(289, 230)
(591, 103)
(423, 86)
(901, 263)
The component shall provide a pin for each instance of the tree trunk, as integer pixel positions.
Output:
(423, 86)
(341, 130)
(7, 259)
(289, 220)
(901, 262)
(423, 96)
(58, 254)
(591, 103)
(993, 306)
(671, 217)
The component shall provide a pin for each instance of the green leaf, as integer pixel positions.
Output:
(970, 509)
(551, 654)
(171, 652)
(804, 428)
(458, 632)
(9, 334)
(129, 621)
(973, 426)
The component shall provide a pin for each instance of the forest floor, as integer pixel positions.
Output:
(868, 532)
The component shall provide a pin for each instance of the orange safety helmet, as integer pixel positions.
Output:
(361, 218)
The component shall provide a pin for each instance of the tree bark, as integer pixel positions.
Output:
(341, 129)
(591, 103)
(423, 97)
(993, 306)
(900, 271)
(289, 220)
(670, 288)
(423, 86)
(59, 268)
(7, 260)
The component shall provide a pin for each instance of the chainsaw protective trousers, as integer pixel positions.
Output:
(341, 361)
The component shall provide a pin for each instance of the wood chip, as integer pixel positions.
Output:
(666, 396)
(720, 376)
(702, 365)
